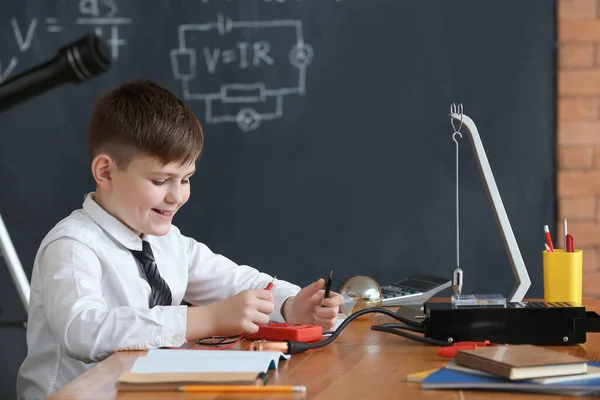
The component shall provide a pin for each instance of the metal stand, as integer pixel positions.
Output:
(14, 267)
(510, 243)
(75, 62)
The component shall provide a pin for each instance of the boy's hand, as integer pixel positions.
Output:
(243, 312)
(309, 306)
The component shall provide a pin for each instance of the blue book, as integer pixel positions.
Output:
(445, 378)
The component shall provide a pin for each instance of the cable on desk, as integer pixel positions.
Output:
(400, 326)
(289, 347)
(222, 345)
(398, 329)
(217, 340)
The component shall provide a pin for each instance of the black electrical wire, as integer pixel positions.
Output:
(401, 326)
(300, 347)
(393, 328)
(397, 330)
(203, 342)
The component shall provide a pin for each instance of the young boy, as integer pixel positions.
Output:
(112, 275)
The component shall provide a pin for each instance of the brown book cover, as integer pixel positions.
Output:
(130, 381)
(521, 361)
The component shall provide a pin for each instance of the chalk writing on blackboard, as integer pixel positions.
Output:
(99, 15)
(102, 14)
(6, 71)
(23, 34)
(245, 50)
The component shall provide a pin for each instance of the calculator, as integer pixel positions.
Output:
(414, 289)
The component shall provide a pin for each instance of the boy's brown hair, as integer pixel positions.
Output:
(142, 117)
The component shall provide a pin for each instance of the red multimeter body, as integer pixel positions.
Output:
(280, 332)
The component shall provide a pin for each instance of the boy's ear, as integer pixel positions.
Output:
(101, 170)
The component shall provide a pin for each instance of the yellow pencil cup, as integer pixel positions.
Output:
(563, 276)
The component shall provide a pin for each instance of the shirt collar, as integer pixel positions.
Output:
(115, 228)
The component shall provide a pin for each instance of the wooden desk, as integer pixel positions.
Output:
(359, 364)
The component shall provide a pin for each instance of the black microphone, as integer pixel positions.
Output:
(75, 62)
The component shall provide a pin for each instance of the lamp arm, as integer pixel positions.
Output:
(508, 237)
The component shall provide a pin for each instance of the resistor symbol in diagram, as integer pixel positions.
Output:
(241, 70)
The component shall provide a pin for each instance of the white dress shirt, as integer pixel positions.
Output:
(89, 297)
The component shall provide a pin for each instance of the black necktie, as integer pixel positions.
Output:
(161, 294)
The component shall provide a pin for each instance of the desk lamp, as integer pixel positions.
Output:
(508, 237)
(515, 321)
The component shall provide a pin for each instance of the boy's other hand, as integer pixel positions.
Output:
(309, 306)
(243, 312)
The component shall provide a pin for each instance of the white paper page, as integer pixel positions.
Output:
(228, 354)
(165, 361)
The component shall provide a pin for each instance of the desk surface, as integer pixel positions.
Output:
(359, 364)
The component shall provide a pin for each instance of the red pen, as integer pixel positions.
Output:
(270, 285)
(450, 351)
(548, 238)
(570, 245)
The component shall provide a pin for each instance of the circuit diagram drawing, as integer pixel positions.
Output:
(241, 70)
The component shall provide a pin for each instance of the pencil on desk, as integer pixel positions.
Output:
(241, 389)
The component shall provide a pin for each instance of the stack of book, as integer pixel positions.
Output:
(165, 370)
(521, 368)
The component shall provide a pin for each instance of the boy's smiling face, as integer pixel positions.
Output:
(146, 195)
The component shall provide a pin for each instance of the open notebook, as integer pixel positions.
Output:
(163, 369)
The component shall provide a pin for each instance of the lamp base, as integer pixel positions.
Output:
(537, 323)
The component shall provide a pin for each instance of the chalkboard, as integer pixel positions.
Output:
(328, 142)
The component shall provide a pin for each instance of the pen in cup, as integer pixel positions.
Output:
(570, 244)
(565, 233)
(548, 239)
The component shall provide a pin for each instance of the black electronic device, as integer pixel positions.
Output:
(537, 323)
